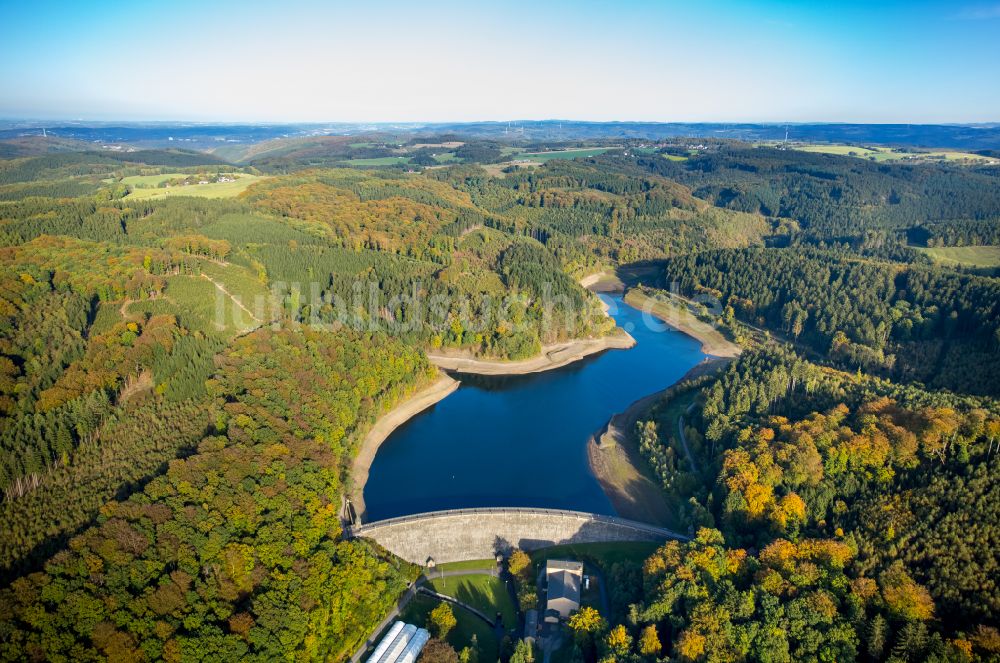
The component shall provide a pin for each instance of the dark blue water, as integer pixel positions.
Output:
(521, 440)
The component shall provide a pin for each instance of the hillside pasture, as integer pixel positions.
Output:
(215, 190)
(377, 161)
(882, 154)
(542, 157)
(966, 256)
(149, 181)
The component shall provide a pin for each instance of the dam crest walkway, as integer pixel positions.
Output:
(462, 534)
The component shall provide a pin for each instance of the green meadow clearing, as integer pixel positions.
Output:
(970, 256)
(471, 564)
(444, 157)
(542, 157)
(889, 154)
(199, 304)
(148, 181)
(377, 161)
(484, 592)
(418, 612)
(146, 186)
(847, 150)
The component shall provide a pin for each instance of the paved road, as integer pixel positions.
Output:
(684, 443)
(405, 599)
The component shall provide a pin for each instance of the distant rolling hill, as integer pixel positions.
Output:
(233, 141)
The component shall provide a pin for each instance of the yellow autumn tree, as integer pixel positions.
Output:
(586, 621)
(905, 598)
(690, 645)
(618, 640)
(442, 620)
(649, 642)
(788, 508)
(518, 562)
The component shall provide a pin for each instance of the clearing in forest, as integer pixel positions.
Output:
(970, 256)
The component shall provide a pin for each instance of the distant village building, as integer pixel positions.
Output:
(563, 579)
(402, 643)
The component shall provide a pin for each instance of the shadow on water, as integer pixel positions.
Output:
(504, 382)
(520, 440)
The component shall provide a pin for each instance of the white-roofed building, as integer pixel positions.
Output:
(386, 640)
(402, 643)
(397, 645)
(414, 646)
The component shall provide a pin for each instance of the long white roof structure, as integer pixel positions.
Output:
(386, 641)
(402, 643)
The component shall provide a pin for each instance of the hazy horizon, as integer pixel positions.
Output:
(393, 62)
(51, 121)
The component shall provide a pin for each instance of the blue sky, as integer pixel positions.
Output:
(704, 60)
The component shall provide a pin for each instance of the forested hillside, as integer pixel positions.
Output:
(841, 519)
(114, 308)
(832, 196)
(235, 551)
(910, 322)
(185, 380)
(606, 208)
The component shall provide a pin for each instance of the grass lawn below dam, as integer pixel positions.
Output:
(484, 592)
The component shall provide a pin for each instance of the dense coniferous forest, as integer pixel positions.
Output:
(831, 196)
(849, 490)
(185, 380)
(910, 322)
(235, 550)
(960, 233)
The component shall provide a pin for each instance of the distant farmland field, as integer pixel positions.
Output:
(216, 190)
(847, 150)
(443, 157)
(889, 154)
(970, 256)
(150, 180)
(542, 157)
(377, 161)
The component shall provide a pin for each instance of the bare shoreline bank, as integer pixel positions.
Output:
(613, 453)
(618, 465)
(551, 357)
(383, 428)
(604, 280)
(713, 343)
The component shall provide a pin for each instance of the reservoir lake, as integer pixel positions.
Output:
(521, 440)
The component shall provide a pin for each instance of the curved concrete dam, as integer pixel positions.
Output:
(460, 534)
